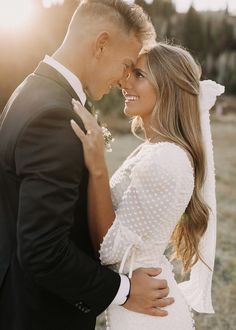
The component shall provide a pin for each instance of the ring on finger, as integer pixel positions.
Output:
(89, 132)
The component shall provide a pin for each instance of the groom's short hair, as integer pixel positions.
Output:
(129, 18)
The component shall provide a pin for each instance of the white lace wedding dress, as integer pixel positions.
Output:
(150, 192)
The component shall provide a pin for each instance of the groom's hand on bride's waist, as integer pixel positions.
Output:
(148, 295)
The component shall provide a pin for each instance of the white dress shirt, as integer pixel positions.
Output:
(75, 83)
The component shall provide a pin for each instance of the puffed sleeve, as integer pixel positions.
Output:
(160, 188)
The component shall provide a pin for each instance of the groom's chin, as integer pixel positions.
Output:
(95, 96)
(98, 97)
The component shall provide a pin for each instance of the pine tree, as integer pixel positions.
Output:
(193, 37)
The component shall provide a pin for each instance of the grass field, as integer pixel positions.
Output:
(224, 281)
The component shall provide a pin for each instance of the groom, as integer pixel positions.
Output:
(49, 278)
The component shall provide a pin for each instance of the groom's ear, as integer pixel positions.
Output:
(102, 43)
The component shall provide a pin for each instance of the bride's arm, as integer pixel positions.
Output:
(100, 210)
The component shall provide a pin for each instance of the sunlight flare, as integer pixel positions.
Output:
(50, 3)
(14, 13)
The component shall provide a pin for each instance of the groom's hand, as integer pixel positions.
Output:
(148, 295)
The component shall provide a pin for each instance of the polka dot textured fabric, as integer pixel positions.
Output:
(150, 192)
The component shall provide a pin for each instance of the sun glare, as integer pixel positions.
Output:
(14, 13)
(50, 3)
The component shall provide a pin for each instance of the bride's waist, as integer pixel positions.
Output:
(146, 261)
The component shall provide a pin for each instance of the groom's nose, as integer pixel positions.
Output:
(124, 81)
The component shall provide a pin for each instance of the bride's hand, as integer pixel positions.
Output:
(93, 141)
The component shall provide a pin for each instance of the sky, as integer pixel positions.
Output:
(183, 5)
(17, 13)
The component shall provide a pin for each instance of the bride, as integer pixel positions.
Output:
(164, 191)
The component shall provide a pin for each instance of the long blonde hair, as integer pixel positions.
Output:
(175, 118)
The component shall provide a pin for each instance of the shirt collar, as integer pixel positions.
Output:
(69, 76)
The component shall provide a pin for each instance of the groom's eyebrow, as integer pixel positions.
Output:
(130, 63)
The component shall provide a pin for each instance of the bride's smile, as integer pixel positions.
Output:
(140, 94)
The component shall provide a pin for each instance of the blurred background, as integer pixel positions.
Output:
(29, 29)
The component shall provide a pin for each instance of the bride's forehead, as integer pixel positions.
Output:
(141, 61)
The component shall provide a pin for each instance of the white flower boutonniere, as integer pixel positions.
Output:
(108, 138)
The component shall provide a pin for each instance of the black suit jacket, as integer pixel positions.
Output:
(49, 279)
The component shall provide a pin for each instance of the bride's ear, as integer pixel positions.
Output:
(101, 44)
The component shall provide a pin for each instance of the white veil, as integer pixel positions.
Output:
(197, 290)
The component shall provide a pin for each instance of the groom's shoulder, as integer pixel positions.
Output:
(44, 88)
(37, 92)
(35, 96)
(37, 100)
